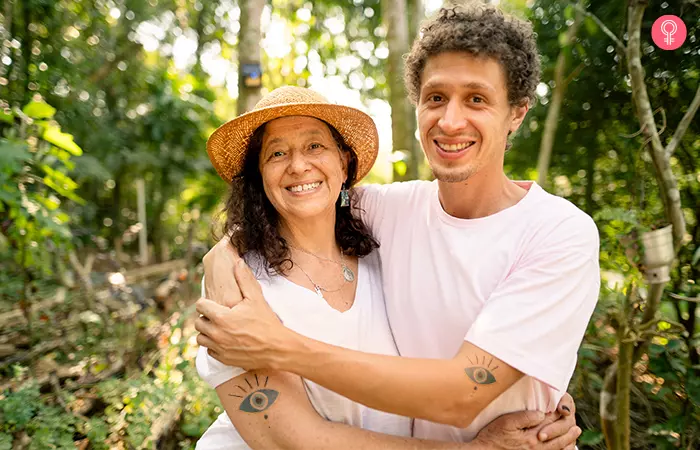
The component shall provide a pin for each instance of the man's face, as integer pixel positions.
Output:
(464, 116)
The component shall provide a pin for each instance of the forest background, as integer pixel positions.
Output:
(108, 199)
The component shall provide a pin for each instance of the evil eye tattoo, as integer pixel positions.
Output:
(480, 374)
(259, 400)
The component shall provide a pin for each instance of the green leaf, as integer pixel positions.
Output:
(591, 26)
(62, 140)
(400, 168)
(13, 154)
(39, 110)
(591, 437)
(696, 256)
(5, 117)
(569, 12)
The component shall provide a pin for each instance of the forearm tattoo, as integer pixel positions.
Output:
(480, 374)
(261, 399)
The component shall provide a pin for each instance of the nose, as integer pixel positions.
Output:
(298, 162)
(454, 119)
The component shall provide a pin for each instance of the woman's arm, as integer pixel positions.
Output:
(271, 410)
(274, 413)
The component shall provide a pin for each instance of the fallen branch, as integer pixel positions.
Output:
(38, 350)
(15, 316)
(141, 273)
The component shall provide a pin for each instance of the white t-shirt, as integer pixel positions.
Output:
(520, 284)
(363, 327)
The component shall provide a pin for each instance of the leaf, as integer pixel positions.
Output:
(569, 12)
(5, 117)
(400, 167)
(591, 26)
(39, 110)
(696, 256)
(62, 140)
(591, 437)
(13, 154)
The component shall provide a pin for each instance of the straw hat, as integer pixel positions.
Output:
(227, 146)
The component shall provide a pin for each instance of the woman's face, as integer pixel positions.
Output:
(302, 167)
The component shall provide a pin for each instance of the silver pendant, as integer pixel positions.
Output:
(318, 290)
(348, 274)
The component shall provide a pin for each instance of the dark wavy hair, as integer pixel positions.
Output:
(253, 223)
(481, 30)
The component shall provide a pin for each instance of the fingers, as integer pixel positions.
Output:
(566, 441)
(210, 309)
(566, 405)
(521, 420)
(204, 341)
(248, 284)
(557, 428)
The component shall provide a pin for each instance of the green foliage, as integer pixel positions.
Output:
(19, 408)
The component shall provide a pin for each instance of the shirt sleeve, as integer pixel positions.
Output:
(368, 201)
(211, 370)
(536, 318)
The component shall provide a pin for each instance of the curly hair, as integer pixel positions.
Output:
(253, 223)
(481, 30)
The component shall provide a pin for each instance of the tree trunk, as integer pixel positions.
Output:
(27, 50)
(416, 9)
(552, 121)
(405, 148)
(592, 155)
(249, 39)
(668, 187)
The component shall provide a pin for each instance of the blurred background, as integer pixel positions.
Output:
(108, 200)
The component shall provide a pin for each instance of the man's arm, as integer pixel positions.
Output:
(547, 302)
(447, 391)
(271, 410)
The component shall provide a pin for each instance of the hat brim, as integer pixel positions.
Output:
(228, 145)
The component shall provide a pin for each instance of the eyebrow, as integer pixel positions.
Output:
(309, 133)
(475, 85)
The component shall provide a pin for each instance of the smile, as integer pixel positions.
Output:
(454, 148)
(304, 187)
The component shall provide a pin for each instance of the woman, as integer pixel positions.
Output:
(291, 162)
(289, 214)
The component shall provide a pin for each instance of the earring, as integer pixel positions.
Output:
(344, 196)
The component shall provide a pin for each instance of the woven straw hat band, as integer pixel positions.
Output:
(227, 146)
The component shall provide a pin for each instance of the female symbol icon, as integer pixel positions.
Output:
(668, 32)
(669, 28)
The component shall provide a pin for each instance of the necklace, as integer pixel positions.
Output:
(317, 287)
(348, 274)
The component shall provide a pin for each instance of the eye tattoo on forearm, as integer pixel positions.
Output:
(260, 399)
(480, 374)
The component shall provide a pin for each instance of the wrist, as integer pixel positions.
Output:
(289, 353)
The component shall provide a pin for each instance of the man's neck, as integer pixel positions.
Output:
(482, 195)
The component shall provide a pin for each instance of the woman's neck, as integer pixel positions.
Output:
(315, 236)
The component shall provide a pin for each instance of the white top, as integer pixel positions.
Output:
(520, 284)
(363, 327)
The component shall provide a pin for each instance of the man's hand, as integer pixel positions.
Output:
(220, 284)
(247, 335)
(519, 431)
(566, 420)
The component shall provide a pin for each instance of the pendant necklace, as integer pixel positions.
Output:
(348, 274)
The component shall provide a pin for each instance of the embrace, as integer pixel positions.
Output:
(421, 315)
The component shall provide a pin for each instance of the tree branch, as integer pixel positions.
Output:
(684, 124)
(620, 45)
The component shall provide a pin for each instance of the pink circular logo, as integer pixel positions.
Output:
(668, 32)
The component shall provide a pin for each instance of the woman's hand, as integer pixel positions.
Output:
(248, 335)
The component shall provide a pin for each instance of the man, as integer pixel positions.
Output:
(489, 283)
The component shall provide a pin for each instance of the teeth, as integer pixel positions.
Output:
(305, 187)
(455, 147)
